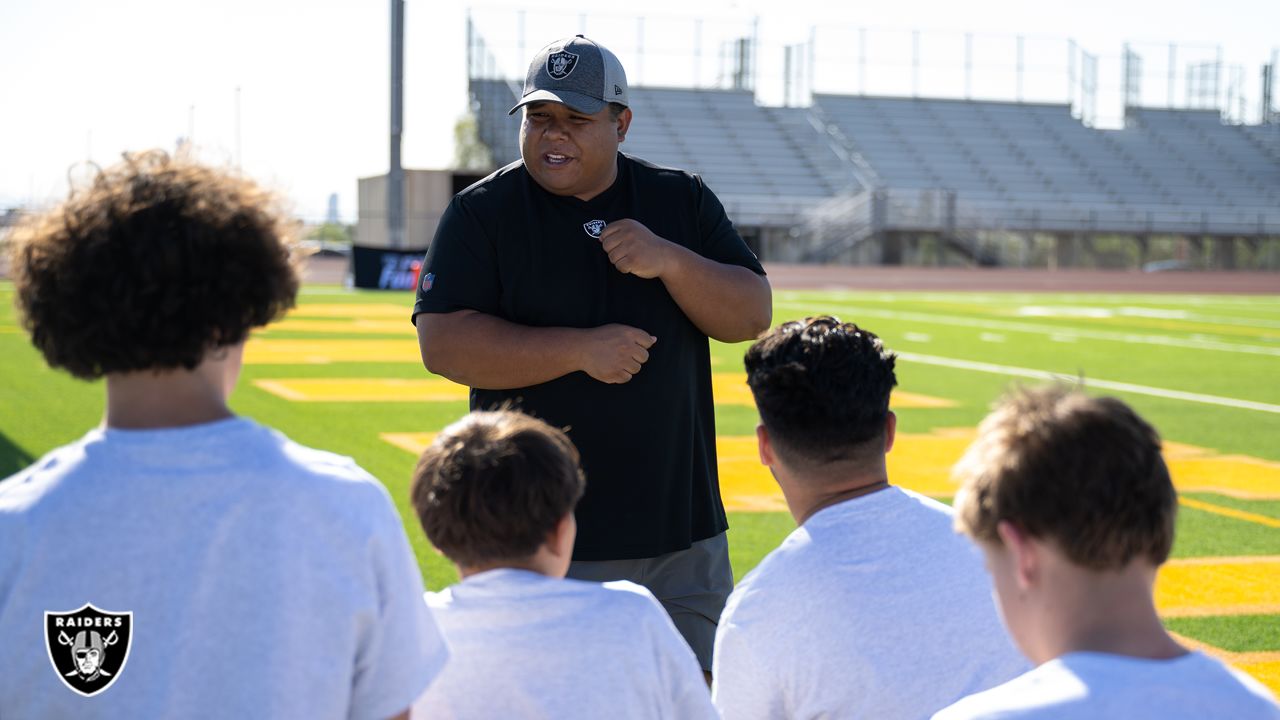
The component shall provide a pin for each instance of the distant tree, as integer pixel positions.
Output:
(331, 233)
(469, 152)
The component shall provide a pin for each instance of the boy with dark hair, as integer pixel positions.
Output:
(1072, 504)
(872, 607)
(495, 493)
(266, 579)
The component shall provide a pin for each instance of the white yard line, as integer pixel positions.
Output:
(1088, 382)
(853, 313)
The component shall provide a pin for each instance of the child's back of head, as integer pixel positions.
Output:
(494, 486)
(495, 493)
(158, 261)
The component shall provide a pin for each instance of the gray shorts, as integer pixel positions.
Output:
(692, 585)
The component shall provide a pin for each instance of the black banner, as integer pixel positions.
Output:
(384, 269)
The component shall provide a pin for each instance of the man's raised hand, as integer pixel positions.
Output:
(634, 249)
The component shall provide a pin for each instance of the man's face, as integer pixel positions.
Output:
(87, 660)
(571, 153)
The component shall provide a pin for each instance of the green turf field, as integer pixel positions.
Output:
(1204, 369)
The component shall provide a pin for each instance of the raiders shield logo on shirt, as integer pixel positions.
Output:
(560, 64)
(594, 227)
(88, 647)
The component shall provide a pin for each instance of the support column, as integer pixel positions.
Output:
(891, 252)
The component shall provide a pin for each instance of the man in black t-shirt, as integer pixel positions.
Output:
(581, 285)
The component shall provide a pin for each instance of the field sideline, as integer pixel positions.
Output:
(341, 372)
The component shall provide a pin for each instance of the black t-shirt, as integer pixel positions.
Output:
(509, 248)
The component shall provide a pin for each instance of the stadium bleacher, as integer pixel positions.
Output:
(944, 166)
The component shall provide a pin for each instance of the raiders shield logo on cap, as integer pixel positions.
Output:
(88, 647)
(560, 64)
(594, 227)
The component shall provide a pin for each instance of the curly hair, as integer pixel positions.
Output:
(822, 388)
(155, 263)
(1084, 472)
(493, 485)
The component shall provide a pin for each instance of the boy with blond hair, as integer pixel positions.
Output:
(1073, 507)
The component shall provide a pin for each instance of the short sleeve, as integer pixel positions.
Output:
(403, 650)
(460, 271)
(720, 240)
(742, 686)
(678, 669)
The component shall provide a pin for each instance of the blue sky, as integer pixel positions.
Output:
(88, 80)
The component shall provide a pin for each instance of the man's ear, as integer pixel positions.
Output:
(1026, 555)
(890, 431)
(624, 124)
(764, 446)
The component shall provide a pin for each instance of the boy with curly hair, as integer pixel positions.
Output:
(872, 607)
(263, 578)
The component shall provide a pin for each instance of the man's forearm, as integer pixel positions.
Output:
(727, 302)
(487, 352)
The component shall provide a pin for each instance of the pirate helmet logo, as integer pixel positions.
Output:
(560, 64)
(594, 227)
(88, 647)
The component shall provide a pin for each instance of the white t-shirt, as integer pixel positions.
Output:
(265, 579)
(524, 645)
(874, 608)
(1086, 685)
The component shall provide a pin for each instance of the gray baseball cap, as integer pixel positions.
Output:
(576, 72)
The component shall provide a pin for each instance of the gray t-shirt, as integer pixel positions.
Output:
(874, 608)
(1087, 685)
(526, 645)
(265, 579)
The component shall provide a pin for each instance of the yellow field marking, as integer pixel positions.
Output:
(269, 351)
(1266, 672)
(1233, 559)
(359, 325)
(1239, 476)
(901, 399)
(1182, 451)
(1262, 666)
(352, 310)
(1230, 512)
(919, 462)
(365, 389)
(1225, 587)
(745, 484)
(282, 388)
(411, 442)
(731, 389)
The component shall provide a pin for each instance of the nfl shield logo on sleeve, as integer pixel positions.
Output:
(88, 648)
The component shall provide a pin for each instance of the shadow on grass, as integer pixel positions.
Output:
(12, 457)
